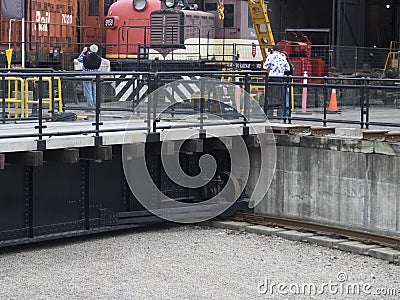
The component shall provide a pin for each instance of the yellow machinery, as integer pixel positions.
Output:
(262, 25)
(392, 60)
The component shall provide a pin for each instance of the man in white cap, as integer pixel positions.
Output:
(91, 63)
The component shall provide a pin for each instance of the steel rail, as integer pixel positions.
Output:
(363, 236)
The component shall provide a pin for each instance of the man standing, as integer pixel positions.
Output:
(91, 63)
(277, 64)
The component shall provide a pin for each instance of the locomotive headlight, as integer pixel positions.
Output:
(169, 3)
(139, 4)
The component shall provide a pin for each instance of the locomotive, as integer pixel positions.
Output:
(196, 35)
(56, 31)
(181, 34)
(127, 28)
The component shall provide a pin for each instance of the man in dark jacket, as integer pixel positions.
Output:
(91, 63)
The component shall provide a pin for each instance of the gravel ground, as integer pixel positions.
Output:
(186, 262)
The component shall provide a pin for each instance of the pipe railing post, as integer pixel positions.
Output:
(202, 131)
(152, 134)
(98, 139)
(367, 103)
(155, 102)
(51, 86)
(266, 94)
(246, 104)
(3, 104)
(291, 99)
(325, 93)
(304, 94)
(285, 98)
(41, 144)
(150, 82)
(362, 101)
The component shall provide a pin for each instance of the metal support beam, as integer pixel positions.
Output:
(29, 158)
(67, 156)
(2, 160)
(96, 153)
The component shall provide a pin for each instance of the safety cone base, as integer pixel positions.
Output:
(333, 112)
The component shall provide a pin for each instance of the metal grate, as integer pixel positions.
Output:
(165, 29)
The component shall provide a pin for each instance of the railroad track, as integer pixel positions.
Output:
(332, 231)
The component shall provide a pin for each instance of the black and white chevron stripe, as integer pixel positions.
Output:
(128, 86)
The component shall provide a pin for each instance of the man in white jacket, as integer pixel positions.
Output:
(276, 64)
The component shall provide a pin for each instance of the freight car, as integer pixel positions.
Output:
(55, 31)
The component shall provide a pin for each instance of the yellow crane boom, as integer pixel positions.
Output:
(262, 25)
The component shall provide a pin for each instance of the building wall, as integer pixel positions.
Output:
(363, 23)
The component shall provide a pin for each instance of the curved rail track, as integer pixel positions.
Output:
(332, 231)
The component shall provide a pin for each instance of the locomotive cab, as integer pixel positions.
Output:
(127, 29)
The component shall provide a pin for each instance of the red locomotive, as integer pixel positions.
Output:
(127, 27)
(55, 30)
(135, 34)
(180, 34)
(190, 35)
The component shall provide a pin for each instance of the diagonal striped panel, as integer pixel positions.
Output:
(130, 88)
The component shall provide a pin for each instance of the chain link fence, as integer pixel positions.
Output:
(367, 61)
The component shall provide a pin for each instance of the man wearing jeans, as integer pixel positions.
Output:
(277, 64)
(91, 63)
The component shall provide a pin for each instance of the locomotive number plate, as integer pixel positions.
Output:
(109, 22)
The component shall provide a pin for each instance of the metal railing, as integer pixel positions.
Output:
(309, 101)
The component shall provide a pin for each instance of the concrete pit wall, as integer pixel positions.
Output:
(339, 181)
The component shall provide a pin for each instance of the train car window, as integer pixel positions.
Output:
(229, 10)
(93, 7)
(211, 6)
(107, 4)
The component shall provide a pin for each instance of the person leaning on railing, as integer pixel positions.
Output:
(91, 63)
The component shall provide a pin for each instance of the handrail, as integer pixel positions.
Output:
(46, 100)
(16, 86)
(365, 88)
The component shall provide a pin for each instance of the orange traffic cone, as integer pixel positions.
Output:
(333, 102)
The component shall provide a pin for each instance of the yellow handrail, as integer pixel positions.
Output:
(393, 53)
(45, 100)
(16, 85)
